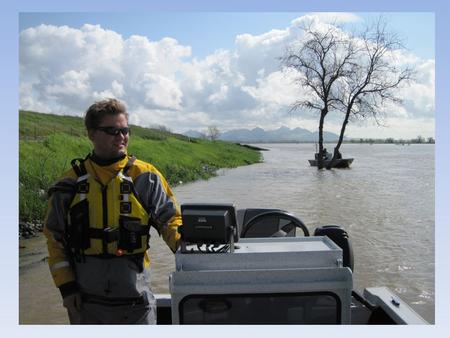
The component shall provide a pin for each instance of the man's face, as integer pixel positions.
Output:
(110, 146)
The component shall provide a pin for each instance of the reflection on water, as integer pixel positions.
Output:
(385, 201)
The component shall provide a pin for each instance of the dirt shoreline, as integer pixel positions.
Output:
(39, 300)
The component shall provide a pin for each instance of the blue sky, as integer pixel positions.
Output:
(208, 31)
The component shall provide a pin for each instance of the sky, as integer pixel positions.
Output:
(190, 70)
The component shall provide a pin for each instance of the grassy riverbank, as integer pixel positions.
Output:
(49, 142)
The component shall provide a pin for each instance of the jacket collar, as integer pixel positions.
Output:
(105, 162)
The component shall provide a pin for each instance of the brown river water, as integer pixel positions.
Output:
(385, 201)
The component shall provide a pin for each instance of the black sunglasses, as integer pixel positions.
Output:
(113, 131)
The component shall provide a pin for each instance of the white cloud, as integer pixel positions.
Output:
(70, 83)
(64, 70)
(117, 89)
(219, 96)
(248, 41)
(335, 17)
(276, 88)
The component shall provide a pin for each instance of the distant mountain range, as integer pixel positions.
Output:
(282, 134)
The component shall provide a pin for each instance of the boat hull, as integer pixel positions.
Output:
(339, 163)
(379, 306)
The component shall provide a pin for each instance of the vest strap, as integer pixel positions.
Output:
(129, 164)
(80, 168)
(111, 235)
(107, 235)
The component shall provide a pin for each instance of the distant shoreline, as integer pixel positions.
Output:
(252, 147)
(245, 143)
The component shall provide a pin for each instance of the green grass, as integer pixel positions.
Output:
(49, 142)
(34, 126)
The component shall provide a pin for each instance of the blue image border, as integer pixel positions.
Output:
(9, 82)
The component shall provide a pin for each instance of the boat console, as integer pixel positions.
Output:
(221, 278)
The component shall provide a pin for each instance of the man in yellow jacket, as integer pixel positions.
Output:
(98, 225)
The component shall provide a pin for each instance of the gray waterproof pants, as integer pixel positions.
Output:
(93, 313)
(114, 291)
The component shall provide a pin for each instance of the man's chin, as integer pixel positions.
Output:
(122, 149)
(119, 153)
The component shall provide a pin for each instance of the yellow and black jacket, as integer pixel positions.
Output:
(106, 211)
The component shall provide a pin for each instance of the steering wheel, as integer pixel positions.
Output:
(282, 215)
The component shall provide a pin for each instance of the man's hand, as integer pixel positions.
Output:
(73, 301)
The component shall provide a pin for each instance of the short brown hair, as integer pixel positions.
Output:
(96, 112)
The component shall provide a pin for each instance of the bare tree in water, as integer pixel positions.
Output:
(344, 72)
(322, 58)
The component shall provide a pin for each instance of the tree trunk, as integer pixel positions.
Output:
(341, 139)
(320, 157)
